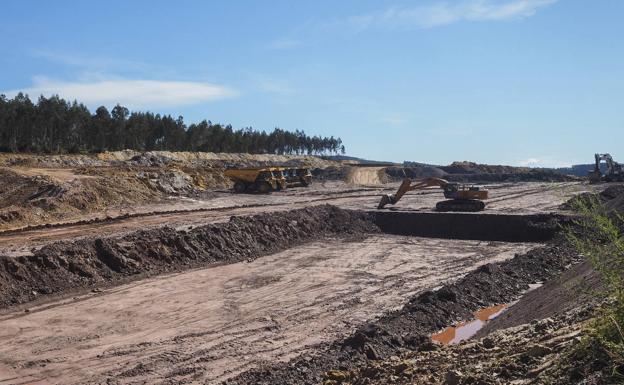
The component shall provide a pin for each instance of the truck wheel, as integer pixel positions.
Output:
(239, 187)
(264, 187)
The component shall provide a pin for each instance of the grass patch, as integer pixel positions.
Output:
(598, 236)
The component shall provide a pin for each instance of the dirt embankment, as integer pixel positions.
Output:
(484, 227)
(409, 328)
(45, 189)
(43, 197)
(611, 197)
(533, 342)
(66, 266)
(478, 173)
(523, 345)
(160, 158)
(367, 176)
(527, 354)
(58, 188)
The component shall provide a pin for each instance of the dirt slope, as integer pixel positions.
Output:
(159, 158)
(207, 325)
(409, 327)
(55, 188)
(66, 266)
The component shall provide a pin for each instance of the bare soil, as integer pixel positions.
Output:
(63, 266)
(409, 328)
(129, 268)
(207, 325)
(182, 212)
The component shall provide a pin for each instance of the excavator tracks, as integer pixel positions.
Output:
(462, 205)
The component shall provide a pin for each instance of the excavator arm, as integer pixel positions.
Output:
(406, 186)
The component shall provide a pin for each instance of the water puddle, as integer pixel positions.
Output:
(465, 330)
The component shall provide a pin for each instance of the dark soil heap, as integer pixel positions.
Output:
(408, 329)
(66, 266)
(472, 172)
(612, 197)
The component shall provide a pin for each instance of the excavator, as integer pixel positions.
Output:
(614, 172)
(459, 197)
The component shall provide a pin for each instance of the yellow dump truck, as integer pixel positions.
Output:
(298, 176)
(263, 179)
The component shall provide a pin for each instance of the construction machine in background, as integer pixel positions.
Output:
(614, 172)
(263, 180)
(459, 197)
(298, 176)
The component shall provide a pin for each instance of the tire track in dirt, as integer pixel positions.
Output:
(22, 242)
(208, 325)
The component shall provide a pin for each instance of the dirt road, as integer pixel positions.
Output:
(210, 324)
(520, 198)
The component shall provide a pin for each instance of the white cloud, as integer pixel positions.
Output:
(530, 162)
(543, 161)
(128, 92)
(444, 13)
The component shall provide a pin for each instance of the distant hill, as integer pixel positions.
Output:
(357, 160)
(580, 169)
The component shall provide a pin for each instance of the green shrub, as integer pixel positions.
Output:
(598, 236)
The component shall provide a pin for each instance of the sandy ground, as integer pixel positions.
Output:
(516, 198)
(210, 324)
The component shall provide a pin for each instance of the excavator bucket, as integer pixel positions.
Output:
(394, 198)
(385, 199)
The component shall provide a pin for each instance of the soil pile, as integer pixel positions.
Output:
(66, 266)
(417, 172)
(330, 173)
(527, 354)
(474, 172)
(531, 343)
(581, 285)
(366, 176)
(44, 189)
(476, 168)
(44, 197)
(161, 158)
(20, 191)
(612, 197)
(409, 327)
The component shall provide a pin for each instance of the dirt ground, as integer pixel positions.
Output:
(180, 212)
(213, 323)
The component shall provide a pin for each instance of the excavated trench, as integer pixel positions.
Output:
(411, 326)
(68, 267)
(483, 227)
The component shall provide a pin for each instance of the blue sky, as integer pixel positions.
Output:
(522, 82)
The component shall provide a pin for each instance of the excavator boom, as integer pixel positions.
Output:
(407, 186)
(460, 197)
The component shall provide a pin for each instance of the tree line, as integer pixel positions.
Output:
(54, 125)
